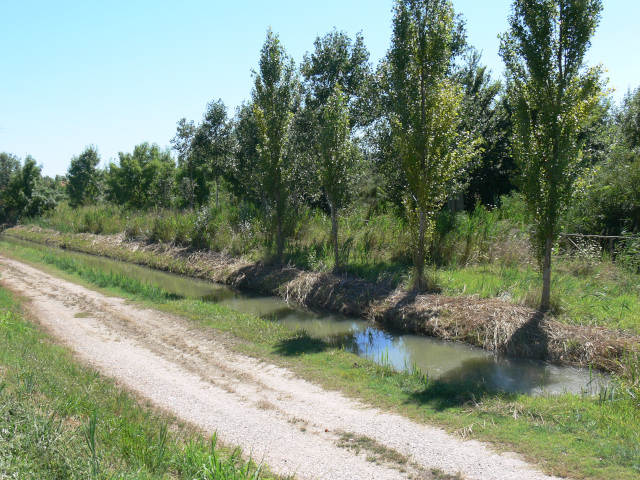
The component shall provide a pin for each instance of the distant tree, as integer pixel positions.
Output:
(425, 104)
(336, 166)
(241, 175)
(10, 194)
(629, 119)
(22, 195)
(484, 116)
(82, 177)
(606, 197)
(182, 144)
(598, 133)
(142, 179)
(552, 94)
(274, 98)
(213, 147)
(9, 164)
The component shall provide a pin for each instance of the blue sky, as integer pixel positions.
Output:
(114, 74)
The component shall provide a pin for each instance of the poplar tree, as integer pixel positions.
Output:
(424, 116)
(213, 146)
(274, 98)
(551, 93)
(182, 143)
(337, 159)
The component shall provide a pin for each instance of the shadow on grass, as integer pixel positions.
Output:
(442, 394)
(300, 344)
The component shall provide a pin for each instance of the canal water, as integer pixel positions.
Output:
(447, 361)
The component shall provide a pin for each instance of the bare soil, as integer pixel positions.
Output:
(294, 426)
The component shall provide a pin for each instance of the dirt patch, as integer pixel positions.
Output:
(492, 324)
(292, 425)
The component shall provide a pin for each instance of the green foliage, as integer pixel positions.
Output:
(204, 154)
(185, 177)
(9, 165)
(143, 179)
(82, 178)
(552, 96)
(424, 108)
(212, 144)
(484, 116)
(23, 191)
(337, 163)
(337, 61)
(606, 200)
(242, 177)
(606, 197)
(629, 119)
(275, 96)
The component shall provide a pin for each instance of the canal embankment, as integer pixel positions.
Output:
(493, 324)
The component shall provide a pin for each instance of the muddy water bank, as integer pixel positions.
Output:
(491, 324)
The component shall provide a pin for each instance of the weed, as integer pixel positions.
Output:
(374, 449)
(89, 434)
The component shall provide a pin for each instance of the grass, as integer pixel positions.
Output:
(597, 294)
(59, 420)
(581, 436)
(376, 451)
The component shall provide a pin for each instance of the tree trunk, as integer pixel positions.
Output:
(334, 235)
(279, 241)
(279, 230)
(217, 192)
(191, 189)
(419, 282)
(545, 303)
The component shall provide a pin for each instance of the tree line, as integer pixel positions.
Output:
(428, 122)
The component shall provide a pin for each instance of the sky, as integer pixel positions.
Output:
(118, 73)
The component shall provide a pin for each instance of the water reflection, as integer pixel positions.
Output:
(447, 361)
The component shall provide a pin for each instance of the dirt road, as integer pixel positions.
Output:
(292, 425)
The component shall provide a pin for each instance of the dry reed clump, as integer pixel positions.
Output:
(492, 324)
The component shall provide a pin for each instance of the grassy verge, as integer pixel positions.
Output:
(584, 292)
(59, 420)
(578, 436)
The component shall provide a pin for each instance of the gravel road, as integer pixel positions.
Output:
(290, 424)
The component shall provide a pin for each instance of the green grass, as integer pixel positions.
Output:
(59, 420)
(586, 293)
(579, 436)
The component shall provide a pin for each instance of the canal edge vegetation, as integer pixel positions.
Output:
(582, 436)
(491, 323)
